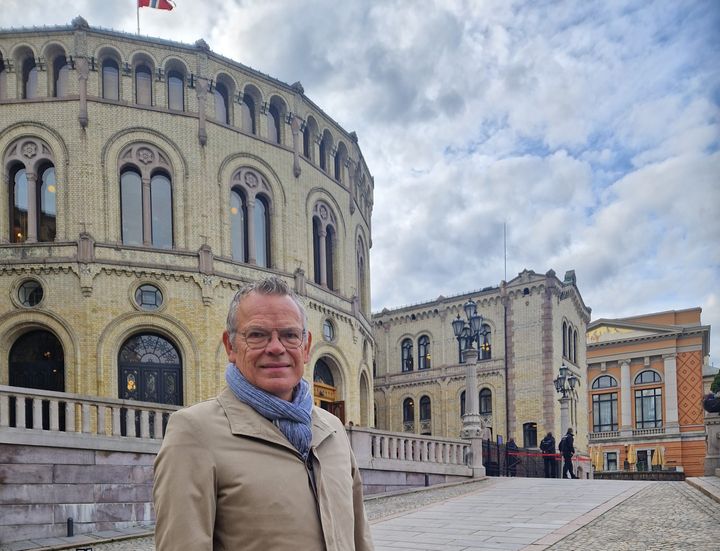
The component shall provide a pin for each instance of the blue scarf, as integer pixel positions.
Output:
(294, 419)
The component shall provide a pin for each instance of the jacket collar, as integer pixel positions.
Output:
(245, 421)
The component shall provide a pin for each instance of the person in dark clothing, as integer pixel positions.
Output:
(513, 458)
(567, 449)
(547, 447)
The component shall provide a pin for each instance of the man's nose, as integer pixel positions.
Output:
(275, 346)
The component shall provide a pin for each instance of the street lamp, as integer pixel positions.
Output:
(565, 384)
(467, 332)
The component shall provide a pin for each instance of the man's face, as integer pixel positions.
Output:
(274, 368)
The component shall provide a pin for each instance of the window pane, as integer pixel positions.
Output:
(143, 86)
(248, 114)
(111, 80)
(48, 192)
(221, 104)
(20, 208)
(237, 226)
(261, 233)
(273, 125)
(176, 98)
(31, 83)
(131, 201)
(316, 251)
(161, 200)
(329, 254)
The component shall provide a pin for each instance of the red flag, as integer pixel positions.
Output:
(157, 4)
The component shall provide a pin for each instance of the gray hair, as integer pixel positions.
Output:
(273, 286)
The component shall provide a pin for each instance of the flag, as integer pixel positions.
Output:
(157, 4)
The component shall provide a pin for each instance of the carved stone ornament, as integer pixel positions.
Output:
(145, 156)
(323, 212)
(29, 150)
(251, 180)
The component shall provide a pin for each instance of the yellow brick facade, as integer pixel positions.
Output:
(528, 313)
(89, 276)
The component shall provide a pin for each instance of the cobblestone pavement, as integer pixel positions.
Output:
(667, 516)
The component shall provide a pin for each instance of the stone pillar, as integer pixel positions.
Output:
(671, 395)
(146, 212)
(625, 399)
(564, 414)
(712, 457)
(83, 72)
(297, 145)
(472, 425)
(202, 90)
(32, 204)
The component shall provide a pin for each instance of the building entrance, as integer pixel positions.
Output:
(325, 393)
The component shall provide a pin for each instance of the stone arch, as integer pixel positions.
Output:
(123, 327)
(252, 101)
(310, 138)
(365, 399)
(56, 54)
(16, 323)
(107, 53)
(225, 81)
(278, 107)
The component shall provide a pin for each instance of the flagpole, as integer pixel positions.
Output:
(137, 7)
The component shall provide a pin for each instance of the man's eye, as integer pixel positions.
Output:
(291, 335)
(255, 335)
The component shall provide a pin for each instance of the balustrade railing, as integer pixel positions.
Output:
(408, 448)
(60, 412)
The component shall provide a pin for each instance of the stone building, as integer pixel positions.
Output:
(534, 323)
(144, 181)
(645, 376)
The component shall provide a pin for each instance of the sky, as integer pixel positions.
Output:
(588, 129)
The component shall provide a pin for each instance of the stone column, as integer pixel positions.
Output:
(671, 397)
(146, 212)
(625, 399)
(297, 145)
(202, 90)
(323, 259)
(564, 415)
(83, 72)
(472, 425)
(32, 204)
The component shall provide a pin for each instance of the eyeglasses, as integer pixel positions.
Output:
(256, 338)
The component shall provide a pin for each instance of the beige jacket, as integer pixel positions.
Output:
(226, 479)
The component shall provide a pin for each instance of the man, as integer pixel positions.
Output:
(513, 456)
(567, 448)
(259, 468)
(547, 447)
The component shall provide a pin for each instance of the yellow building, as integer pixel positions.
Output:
(144, 181)
(534, 324)
(646, 386)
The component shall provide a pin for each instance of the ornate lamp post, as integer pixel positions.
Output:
(467, 333)
(565, 384)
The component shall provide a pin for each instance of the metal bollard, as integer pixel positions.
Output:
(70, 528)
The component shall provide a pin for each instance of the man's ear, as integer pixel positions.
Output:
(229, 347)
(306, 348)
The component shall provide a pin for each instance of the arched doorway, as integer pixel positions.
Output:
(325, 391)
(364, 398)
(150, 370)
(37, 361)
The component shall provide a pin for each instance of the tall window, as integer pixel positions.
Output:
(143, 85)
(424, 352)
(110, 79)
(32, 191)
(574, 346)
(486, 346)
(176, 90)
(605, 412)
(324, 245)
(250, 217)
(325, 147)
(648, 408)
(462, 403)
(273, 122)
(61, 72)
(408, 415)
(361, 283)
(3, 80)
(146, 197)
(565, 342)
(309, 135)
(485, 401)
(221, 103)
(247, 110)
(30, 78)
(406, 353)
(530, 435)
(425, 415)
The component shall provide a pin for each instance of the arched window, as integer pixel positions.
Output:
(150, 370)
(146, 197)
(408, 415)
(604, 381)
(574, 346)
(3, 79)
(29, 78)
(32, 191)
(569, 341)
(326, 145)
(486, 346)
(248, 114)
(250, 204)
(220, 94)
(462, 403)
(61, 73)
(110, 79)
(176, 90)
(485, 401)
(323, 374)
(424, 352)
(238, 224)
(262, 232)
(309, 135)
(324, 244)
(406, 354)
(646, 377)
(273, 122)
(143, 85)
(425, 415)
(341, 157)
(564, 337)
(529, 435)
(361, 275)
